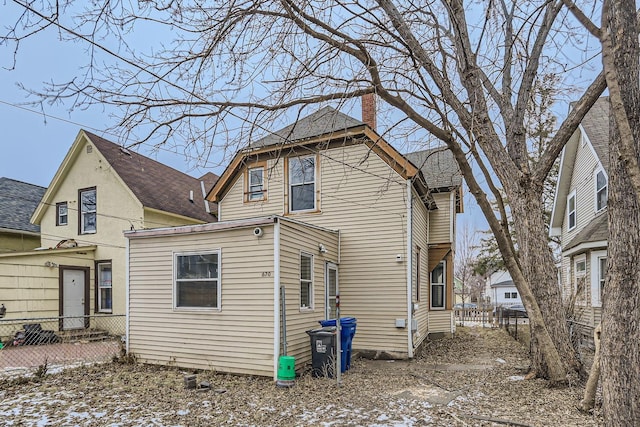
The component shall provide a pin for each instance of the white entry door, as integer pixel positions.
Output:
(330, 290)
(73, 299)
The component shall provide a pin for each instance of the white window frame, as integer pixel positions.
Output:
(306, 282)
(85, 212)
(605, 188)
(100, 286)
(597, 277)
(314, 182)
(218, 280)
(443, 285)
(578, 275)
(256, 193)
(60, 215)
(572, 195)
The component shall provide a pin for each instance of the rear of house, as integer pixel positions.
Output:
(327, 171)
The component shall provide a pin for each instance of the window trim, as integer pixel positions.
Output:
(605, 188)
(98, 298)
(81, 229)
(315, 207)
(218, 279)
(310, 282)
(580, 275)
(575, 211)
(443, 284)
(247, 183)
(596, 286)
(58, 206)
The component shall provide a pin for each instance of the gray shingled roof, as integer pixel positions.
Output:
(18, 200)
(596, 231)
(596, 126)
(438, 166)
(156, 185)
(323, 121)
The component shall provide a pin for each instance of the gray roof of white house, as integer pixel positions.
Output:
(18, 200)
(596, 126)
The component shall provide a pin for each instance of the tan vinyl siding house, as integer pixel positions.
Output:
(580, 217)
(242, 334)
(328, 171)
(99, 190)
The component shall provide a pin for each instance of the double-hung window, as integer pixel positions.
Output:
(62, 213)
(601, 191)
(197, 280)
(598, 276)
(255, 184)
(302, 183)
(88, 211)
(104, 288)
(306, 280)
(438, 286)
(571, 210)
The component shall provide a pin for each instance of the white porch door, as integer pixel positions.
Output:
(73, 303)
(330, 290)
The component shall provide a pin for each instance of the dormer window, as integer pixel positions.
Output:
(601, 191)
(302, 183)
(571, 210)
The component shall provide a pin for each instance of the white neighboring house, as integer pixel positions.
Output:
(502, 290)
(580, 217)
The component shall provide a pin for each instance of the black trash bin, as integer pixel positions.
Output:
(323, 351)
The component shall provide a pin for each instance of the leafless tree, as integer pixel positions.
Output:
(462, 74)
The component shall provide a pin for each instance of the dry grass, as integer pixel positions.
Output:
(465, 369)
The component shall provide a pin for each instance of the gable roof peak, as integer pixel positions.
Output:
(324, 121)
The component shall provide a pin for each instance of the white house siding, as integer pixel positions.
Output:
(440, 230)
(366, 200)
(582, 180)
(237, 338)
(29, 288)
(420, 239)
(294, 239)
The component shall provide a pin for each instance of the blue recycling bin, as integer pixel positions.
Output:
(348, 325)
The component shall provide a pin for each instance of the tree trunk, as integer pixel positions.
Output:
(538, 268)
(620, 361)
(589, 399)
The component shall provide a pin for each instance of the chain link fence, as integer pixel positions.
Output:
(33, 344)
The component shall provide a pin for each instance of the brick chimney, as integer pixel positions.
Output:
(369, 110)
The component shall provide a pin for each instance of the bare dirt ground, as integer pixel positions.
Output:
(473, 379)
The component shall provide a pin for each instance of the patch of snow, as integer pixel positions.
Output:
(516, 378)
(501, 360)
(182, 412)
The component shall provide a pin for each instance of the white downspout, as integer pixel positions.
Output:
(276, 297)
(126, 296)
(409, 269)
